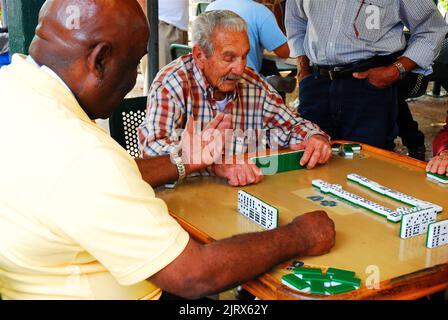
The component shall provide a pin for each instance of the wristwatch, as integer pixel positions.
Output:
(177, 160)
(400, 68)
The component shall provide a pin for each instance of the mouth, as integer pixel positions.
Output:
(230, 79)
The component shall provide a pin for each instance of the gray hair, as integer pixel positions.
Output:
(206, 23)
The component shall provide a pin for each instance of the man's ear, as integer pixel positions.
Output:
(99, 58)
(199, 56)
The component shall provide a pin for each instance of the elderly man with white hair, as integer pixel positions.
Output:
(213, 79)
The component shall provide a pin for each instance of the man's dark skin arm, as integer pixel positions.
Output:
(282, 51)
(159, 170)
(303, 67)
(202, 270)
(383, 77)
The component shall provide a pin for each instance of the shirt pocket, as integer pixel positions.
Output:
(367, 20)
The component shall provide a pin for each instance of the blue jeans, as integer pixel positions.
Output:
(351, 109)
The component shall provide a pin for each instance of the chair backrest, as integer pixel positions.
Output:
(177, 50)
(200, 8)
(124, 122)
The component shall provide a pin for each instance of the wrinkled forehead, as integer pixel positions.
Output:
(230, 42)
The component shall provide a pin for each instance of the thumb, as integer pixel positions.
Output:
(361, 75)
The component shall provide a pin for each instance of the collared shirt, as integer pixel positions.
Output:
(337, 32)
(181, 90)
(77, 221)
(48, 71)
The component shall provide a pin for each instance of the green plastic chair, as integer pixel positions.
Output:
(123, 124)
(177, 50)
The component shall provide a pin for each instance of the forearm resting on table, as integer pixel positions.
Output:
(159, 170)
(207, 269)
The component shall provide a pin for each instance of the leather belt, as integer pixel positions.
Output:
(346, 71)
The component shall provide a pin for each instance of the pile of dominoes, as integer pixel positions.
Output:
(346, 150)
(418, 219)
(313, 280)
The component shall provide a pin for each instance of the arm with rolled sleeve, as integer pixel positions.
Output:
(427, 28)
(296, 24)
(290, 128)
(157, 134)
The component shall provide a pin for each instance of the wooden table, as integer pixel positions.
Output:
(365, 242)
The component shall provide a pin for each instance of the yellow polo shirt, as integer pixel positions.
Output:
(76, 219)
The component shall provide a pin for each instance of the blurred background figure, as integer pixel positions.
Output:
(173, 28)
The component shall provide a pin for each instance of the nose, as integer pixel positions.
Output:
(239, 66)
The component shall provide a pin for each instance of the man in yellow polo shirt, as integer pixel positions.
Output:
(77, 220)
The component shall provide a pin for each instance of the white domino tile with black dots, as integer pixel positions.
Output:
(437, 234)
(258, 211)
(416, 221)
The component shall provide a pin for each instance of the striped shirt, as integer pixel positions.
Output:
(180, 90)
(337, 32)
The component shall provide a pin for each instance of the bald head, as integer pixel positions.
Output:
(94, 46)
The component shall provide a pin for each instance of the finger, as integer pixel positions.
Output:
(258, 174)
(241, 176)
(233, 177)
(443, 166)
(225, 124)
(215, 122)
(257, 171)
(361, 75)
(228, 121)
(309, 149)
(209, 155)
(329, 154)
(435, 164)
(249, 174)
(314, 158)
(324, 155)
(430, 165)
(233, 182)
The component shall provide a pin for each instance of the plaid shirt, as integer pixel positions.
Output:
(180, 90)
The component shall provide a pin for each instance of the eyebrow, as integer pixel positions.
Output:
(232, 53)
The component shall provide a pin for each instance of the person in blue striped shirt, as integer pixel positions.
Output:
(357, 51)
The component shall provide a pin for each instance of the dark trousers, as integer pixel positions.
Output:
(350, 109)
(408, 130)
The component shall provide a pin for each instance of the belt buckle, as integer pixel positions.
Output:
(332, 72)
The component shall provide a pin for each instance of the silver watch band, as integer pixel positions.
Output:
(177, 160)
(400, 68)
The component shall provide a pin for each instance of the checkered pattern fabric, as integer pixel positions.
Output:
(180, 90)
